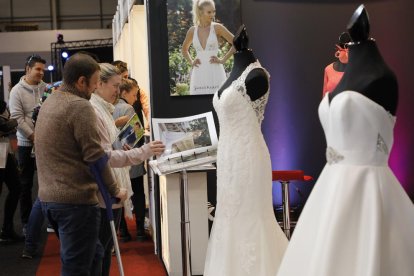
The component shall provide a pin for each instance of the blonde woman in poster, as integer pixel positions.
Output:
(207, 74)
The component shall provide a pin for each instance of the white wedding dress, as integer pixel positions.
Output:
(358, 220)
(245, 238)
(208, 77)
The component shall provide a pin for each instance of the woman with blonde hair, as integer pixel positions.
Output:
(102, 101)
(207, 74)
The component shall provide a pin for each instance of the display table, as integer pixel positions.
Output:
(170, 214)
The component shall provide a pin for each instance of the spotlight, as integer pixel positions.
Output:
(60, 39)
(50, 68)
(65, 54)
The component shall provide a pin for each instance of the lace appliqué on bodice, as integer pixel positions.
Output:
(258, 105)
(381, 145)
(332, 156)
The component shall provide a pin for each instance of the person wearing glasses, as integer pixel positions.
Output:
(24, 97)
(335, 70)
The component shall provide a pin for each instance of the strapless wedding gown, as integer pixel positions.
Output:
(358, 220)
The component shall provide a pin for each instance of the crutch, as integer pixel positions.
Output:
(97, 169)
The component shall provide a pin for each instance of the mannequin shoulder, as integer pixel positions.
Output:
(257, 74)
(329, 67)
(257, 83)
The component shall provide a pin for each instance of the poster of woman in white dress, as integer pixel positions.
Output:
(200, 44)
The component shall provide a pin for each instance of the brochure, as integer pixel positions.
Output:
(132, 132)
(189, 142)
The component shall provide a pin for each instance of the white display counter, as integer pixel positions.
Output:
(171, 221)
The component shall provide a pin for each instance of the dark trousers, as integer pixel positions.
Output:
(138, 201)
(107, 242)
(78, 228)
(27, 168)
(10, 176)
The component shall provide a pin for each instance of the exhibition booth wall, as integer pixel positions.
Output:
(294, 41)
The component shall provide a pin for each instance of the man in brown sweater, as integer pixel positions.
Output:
(67, 143)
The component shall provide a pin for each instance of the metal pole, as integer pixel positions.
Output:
(54, 14)
(286, 208)
(116, 246)
(185, 225)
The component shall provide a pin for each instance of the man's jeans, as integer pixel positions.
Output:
(34, 227)
(78, 229)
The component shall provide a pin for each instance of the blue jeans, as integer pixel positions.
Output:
(34, 227)
(78, 228)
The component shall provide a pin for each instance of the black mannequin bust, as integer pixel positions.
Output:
(339, 66)
(256, 81)
(366, 72)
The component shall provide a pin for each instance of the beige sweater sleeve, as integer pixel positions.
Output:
(121, 158)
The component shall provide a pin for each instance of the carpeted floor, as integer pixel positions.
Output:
(138, 258)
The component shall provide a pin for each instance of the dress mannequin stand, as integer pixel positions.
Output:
(358, 217)
(367, 73)
(257, 80)
(245, 238)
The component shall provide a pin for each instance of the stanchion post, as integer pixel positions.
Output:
(185, 224)
(286, 208)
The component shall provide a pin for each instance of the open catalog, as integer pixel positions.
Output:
(132, 132)
(189, 142)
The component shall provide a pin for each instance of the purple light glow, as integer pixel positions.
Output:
(399, 159)
(279, 135)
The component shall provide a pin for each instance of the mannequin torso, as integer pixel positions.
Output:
(256, 82)
(366, 72)
(339, 66)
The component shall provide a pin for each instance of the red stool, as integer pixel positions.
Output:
(284, 177)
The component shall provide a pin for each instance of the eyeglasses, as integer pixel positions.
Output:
(31, 58)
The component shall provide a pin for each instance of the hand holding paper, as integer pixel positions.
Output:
(157, 147)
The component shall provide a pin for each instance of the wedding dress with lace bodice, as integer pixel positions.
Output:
(358, 220)
(245, 238)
